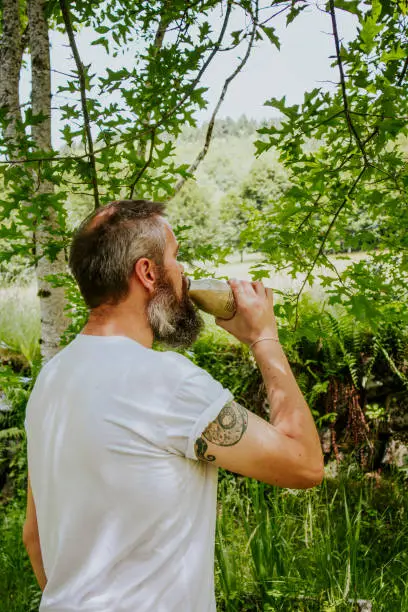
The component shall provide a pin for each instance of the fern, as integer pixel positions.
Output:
(391, 363)
(11, 434)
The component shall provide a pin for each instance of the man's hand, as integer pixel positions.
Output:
(254, 318)
(286, 451)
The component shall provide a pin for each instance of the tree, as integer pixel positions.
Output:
(358, 169)
(44, 201)
(124, 145)
(192, 207)
(253, 199)
(120, 146)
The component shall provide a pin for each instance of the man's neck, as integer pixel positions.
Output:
(119, 320)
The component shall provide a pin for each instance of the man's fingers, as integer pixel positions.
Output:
(259, 288)
(246, 289)
(269, 294)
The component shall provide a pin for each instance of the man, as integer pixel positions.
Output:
(124, 441)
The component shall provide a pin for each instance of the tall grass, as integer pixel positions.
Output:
(20, 321)
(322, 549)
(18, 589)
(277, 550)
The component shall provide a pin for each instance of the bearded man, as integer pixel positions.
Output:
(124, 441)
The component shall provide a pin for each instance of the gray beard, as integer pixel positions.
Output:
(174, 321)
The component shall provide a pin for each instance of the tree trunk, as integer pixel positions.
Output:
(52, 300)
(11, 52)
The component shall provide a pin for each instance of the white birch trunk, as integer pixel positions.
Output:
(10, 64)
(52, 300)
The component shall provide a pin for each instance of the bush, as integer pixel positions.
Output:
(233, 366)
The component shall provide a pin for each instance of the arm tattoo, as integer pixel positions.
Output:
(227, 430)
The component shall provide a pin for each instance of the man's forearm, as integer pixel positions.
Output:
(289, 412)
(34, 552)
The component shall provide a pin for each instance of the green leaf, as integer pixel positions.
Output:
(271, 34)
(295, 10)
(368, 33)
(376, 9)
(236, 37)
(351, 6)
(101, 41)
(397, 53)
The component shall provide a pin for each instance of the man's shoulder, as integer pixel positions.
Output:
(180, 364)
(190, 377)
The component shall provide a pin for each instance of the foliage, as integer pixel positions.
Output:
(255, 195)
(156, 56)
(20, 322)
(13, 453)
(192, 208)
(358, 171)
(229, 159)
(231, 364)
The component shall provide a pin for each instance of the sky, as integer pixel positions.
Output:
(302, 64)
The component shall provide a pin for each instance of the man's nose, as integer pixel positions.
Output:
(181, 268)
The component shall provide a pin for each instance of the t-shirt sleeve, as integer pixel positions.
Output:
(196, 403)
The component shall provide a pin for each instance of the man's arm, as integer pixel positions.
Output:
(31, 539)
(286, 451)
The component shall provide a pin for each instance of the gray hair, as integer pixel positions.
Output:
(109, 242)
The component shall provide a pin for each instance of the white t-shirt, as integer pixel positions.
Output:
(126, 513)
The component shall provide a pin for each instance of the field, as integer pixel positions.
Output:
(279, 280)
(20, 315)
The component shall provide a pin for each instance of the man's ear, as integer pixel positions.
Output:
(145, 271)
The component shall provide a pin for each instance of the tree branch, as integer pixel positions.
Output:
(324, 240)
(308, 215)
(147, 129)
(141, 149)
(193, 167)
(331, 265)
(82, 84)
(144, 167)
(403, 72)
(350, 124)
(204, 66)
(350, 157)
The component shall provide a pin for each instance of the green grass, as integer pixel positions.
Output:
(321, 549)
(20, 321)
(279, 550)
(18, 589)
